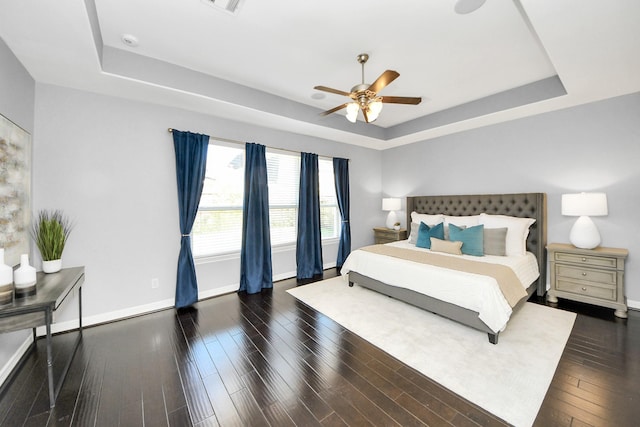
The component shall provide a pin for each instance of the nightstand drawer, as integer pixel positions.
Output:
(382, 240)
(594, 261)
(601, 276)
(591, 290)
(387, 235)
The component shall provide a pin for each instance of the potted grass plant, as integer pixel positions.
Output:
(50, 231)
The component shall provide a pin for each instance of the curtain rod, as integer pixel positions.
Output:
(234, 141)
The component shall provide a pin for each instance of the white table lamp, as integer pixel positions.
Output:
(584, 233)
(392, 205)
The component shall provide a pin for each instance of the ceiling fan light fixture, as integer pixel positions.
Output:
(352, 111)
(365, 96)
(374, 108)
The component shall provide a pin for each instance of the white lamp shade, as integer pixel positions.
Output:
(375, 107)
(390, 204)
(352, 111)
(584, 204)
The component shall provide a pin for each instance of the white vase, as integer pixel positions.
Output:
(24, 278)
(52, 266)
(6, 281)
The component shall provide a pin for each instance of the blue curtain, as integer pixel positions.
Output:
(255, 254)
(191, 165)
(309, 243)
(341, 178)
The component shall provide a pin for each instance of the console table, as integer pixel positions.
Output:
(52, 291)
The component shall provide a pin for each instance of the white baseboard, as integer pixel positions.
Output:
(233, 288)
(111, 316)
(216, 292)
(6, 370)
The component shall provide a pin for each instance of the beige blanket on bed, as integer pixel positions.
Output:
(508, 282)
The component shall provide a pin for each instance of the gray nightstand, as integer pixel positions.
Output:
(386, 235)
(594, 276)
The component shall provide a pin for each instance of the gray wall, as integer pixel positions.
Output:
(17, 89)
(109, 163)
(594, 147)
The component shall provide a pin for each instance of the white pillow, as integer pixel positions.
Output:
(517, 231)
(468, 220)
(426, 218)
(460, 221)
(417, 218)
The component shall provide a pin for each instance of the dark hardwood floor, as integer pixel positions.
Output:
(258, 360)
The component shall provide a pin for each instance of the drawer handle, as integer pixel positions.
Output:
(584, 273)
(584, 289)
(584, 259)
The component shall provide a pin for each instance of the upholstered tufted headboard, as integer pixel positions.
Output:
(530, 205)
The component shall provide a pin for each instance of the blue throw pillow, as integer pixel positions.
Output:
(472, 238)
(425, 233)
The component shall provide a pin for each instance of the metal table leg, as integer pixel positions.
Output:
(75, 348)
(54, 390)
(48, 319)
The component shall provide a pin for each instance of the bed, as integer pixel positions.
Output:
(521, 205)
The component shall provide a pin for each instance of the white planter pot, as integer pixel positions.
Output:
(52, 266)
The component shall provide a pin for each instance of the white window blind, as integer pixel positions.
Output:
(329, 213)
(283, 173)
(218, 226)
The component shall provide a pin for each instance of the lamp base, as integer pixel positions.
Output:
(391, 219)
(584, 234)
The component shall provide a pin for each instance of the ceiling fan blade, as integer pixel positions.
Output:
(384, 79)
(330, 90)
(401, 100)
(333, 110)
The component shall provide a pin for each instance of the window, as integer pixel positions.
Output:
(329, 214)
(218, 225)
(283, 175)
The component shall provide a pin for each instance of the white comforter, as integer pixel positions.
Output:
(472, 291)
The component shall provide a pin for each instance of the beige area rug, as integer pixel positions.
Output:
(509, 379)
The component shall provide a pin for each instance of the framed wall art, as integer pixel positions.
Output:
(15, 190)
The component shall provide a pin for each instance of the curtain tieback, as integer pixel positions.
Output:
(185, 235)
(345, 221)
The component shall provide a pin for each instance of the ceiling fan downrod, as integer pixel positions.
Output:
(362, 59)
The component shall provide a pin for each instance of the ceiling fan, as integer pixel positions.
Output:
(365, 97)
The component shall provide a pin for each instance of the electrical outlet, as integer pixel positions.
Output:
(155, 283)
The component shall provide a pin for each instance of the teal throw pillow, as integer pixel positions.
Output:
(425, 233)
(472, 238)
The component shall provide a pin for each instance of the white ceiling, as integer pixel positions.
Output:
(508, 59)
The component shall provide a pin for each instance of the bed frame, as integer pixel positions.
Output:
(531, 205)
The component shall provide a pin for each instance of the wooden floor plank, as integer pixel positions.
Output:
(224, 409)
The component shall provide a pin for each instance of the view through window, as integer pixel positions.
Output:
(218, 226)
